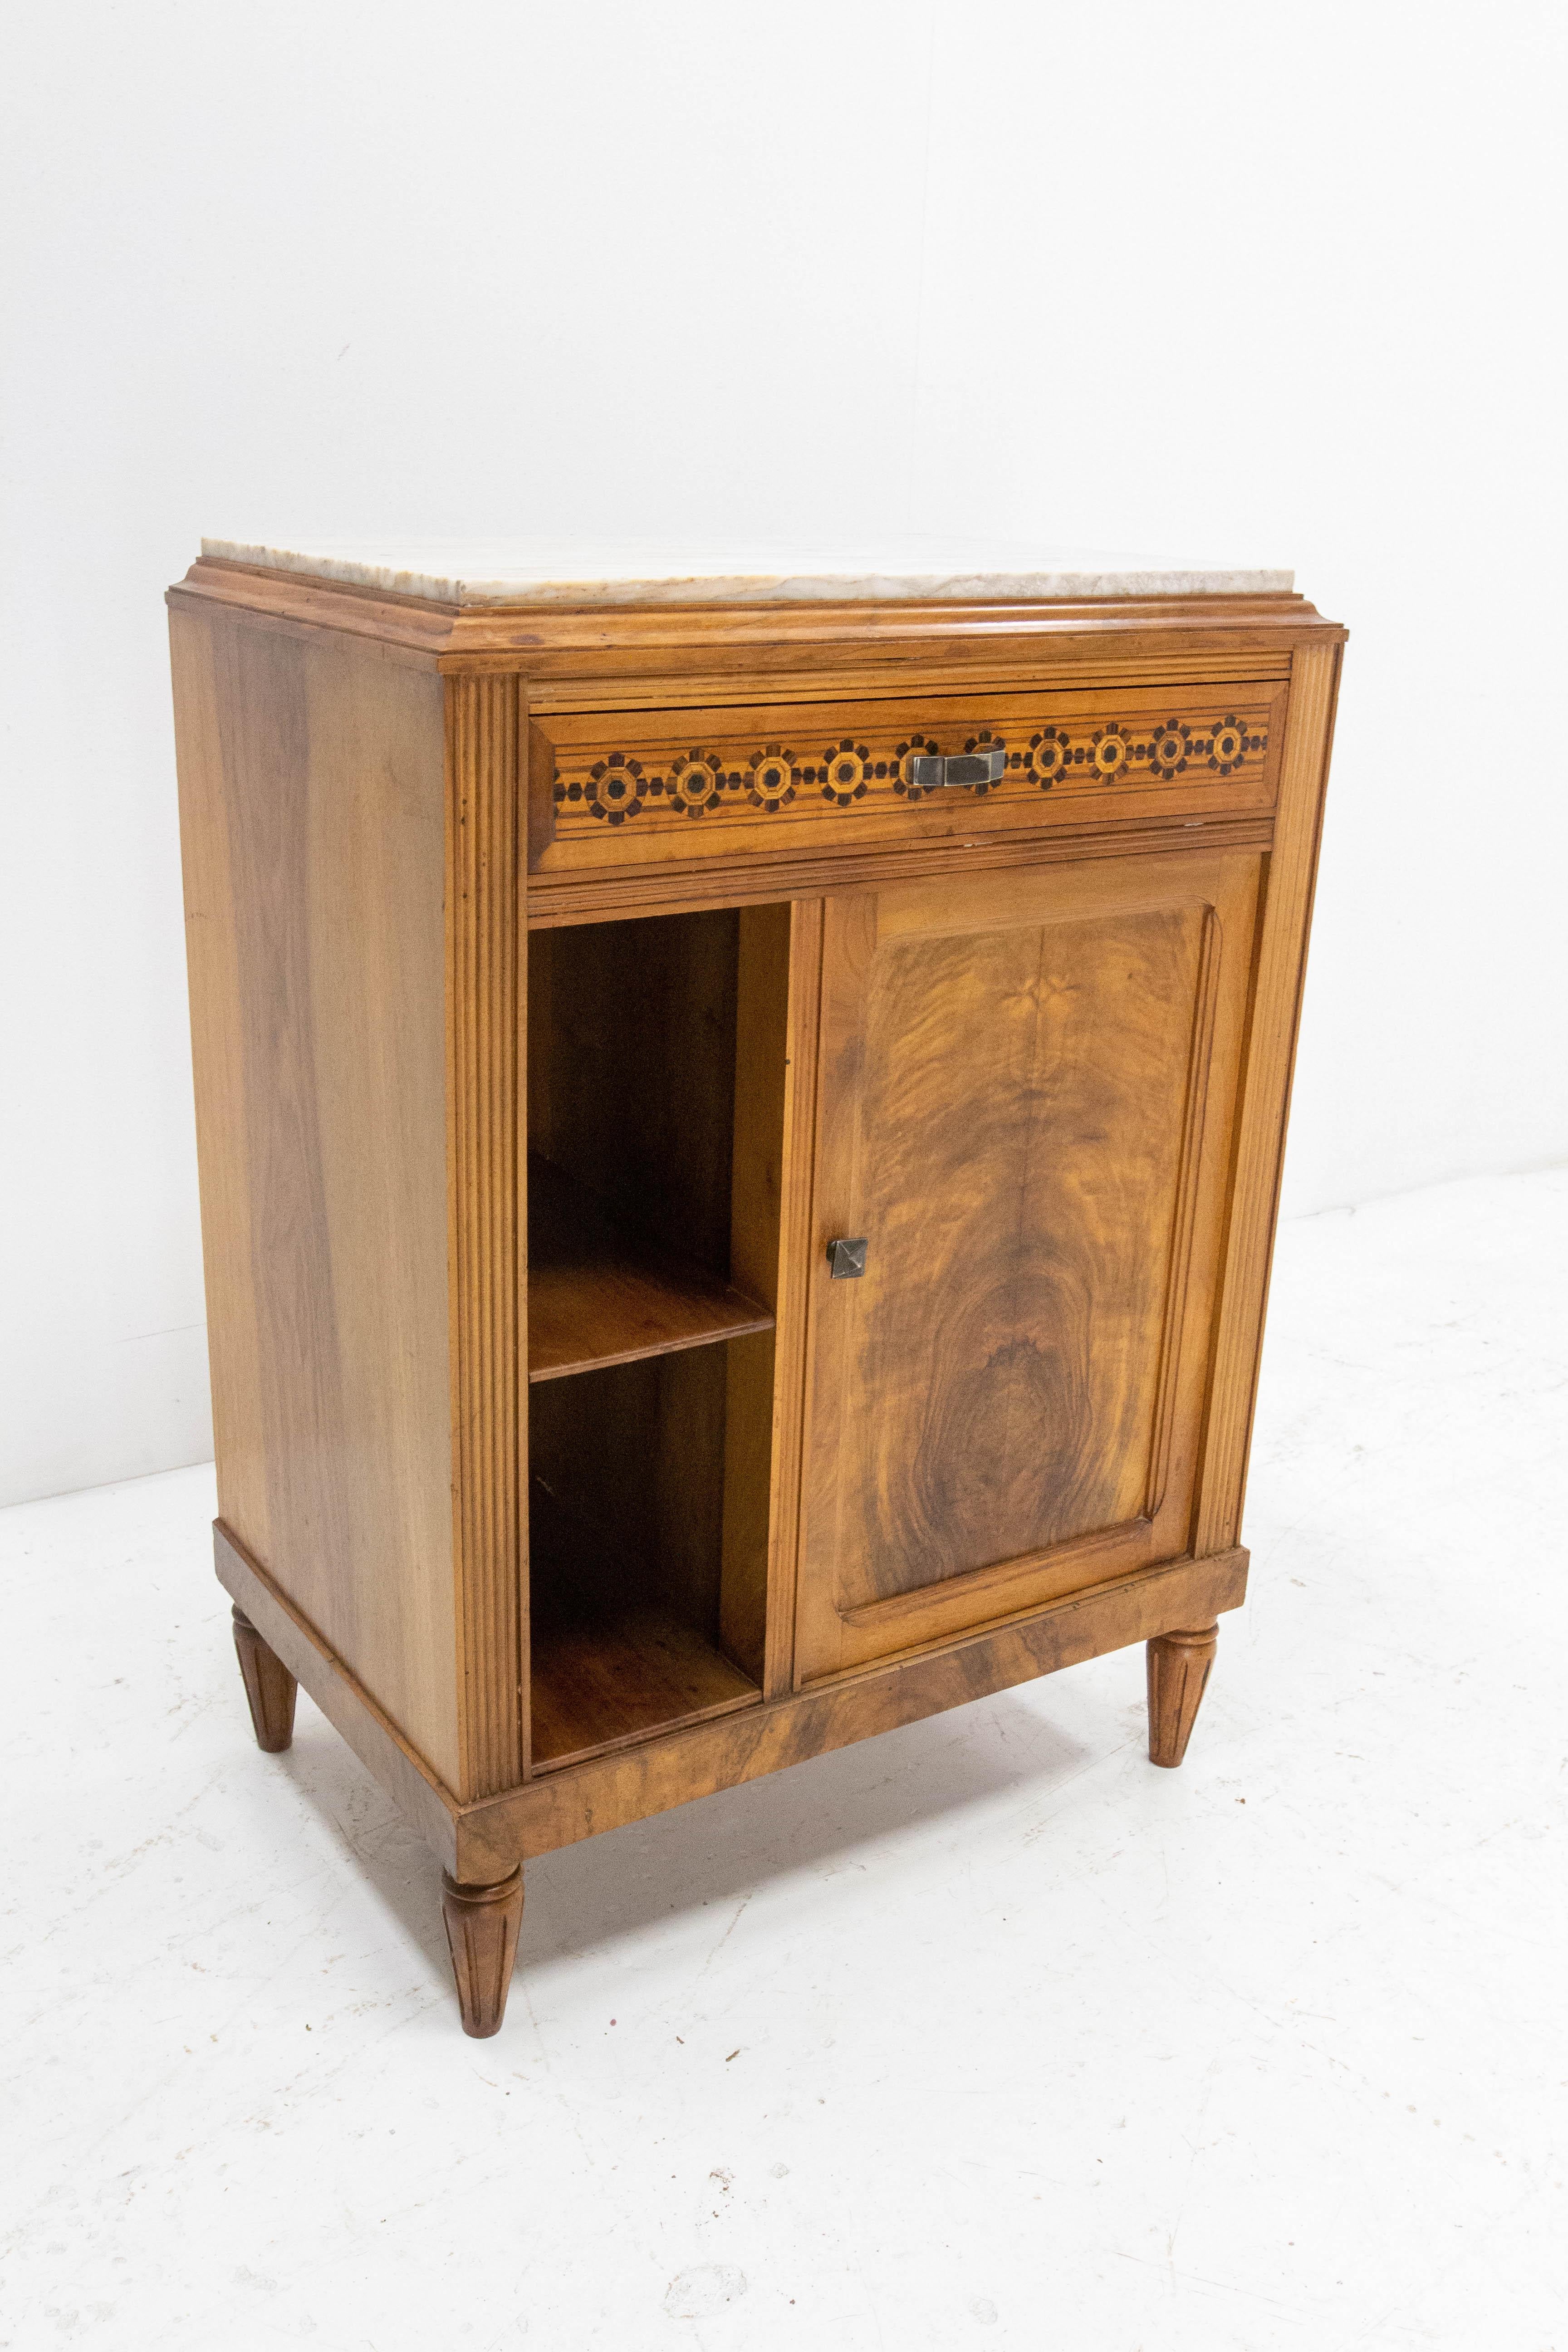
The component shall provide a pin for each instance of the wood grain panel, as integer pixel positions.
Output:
(1016, 1111)
(485, 1034)
(311, 820)
(1020, 1414)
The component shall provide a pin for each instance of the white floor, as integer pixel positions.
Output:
(984, 2032)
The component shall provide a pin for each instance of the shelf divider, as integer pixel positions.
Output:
(600, 1295)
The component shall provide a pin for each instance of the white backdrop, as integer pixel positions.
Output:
(1220, 278)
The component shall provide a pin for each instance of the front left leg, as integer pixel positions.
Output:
(482, 1924)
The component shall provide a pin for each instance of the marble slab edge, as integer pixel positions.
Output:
(544, 586)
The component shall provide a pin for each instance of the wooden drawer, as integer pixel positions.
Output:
(636, 788)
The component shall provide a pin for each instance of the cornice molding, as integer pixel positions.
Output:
(628, 640)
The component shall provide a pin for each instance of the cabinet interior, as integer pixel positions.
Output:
(655, 1102)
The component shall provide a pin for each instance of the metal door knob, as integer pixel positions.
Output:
(846, 1259)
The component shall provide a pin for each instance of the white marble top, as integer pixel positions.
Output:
(540, 572)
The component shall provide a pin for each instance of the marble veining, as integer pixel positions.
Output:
(539, 572)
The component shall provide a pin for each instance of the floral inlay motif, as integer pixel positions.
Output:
(855, 773)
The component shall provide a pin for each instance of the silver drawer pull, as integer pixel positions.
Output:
(933, 773)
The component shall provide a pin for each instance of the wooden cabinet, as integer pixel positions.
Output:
(740, 1143)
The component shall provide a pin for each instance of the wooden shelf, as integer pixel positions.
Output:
(610, 1660)
(601, 1683)
(598, 1294)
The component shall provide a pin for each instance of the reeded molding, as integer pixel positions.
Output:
(482, 1924)
(485, 1214)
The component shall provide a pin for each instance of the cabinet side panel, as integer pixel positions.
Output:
(1266, 1095)
(312, 821)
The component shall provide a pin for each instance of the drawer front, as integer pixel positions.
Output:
(624, 788)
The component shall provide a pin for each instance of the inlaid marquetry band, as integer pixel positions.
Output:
(852, 773)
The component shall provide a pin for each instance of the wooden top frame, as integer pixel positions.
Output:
(818, 647)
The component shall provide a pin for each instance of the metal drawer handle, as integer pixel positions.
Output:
(930, 773)
(846, 1259)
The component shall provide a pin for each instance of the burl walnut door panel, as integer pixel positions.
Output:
(1026, 1092)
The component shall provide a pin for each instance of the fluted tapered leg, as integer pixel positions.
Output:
(268, 1685)
(481, 1935)
(1178, 1673)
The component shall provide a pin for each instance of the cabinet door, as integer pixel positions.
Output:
(1025, 1093)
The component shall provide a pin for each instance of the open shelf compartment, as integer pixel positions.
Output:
(628, 1552)
(654, 1180)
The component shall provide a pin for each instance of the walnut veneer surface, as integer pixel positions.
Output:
(651, 943)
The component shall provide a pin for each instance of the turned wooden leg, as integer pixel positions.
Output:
(481, 1934)
(268, 1685)
(1178, 1670)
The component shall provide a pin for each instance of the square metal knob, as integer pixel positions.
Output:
(846, 1259)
